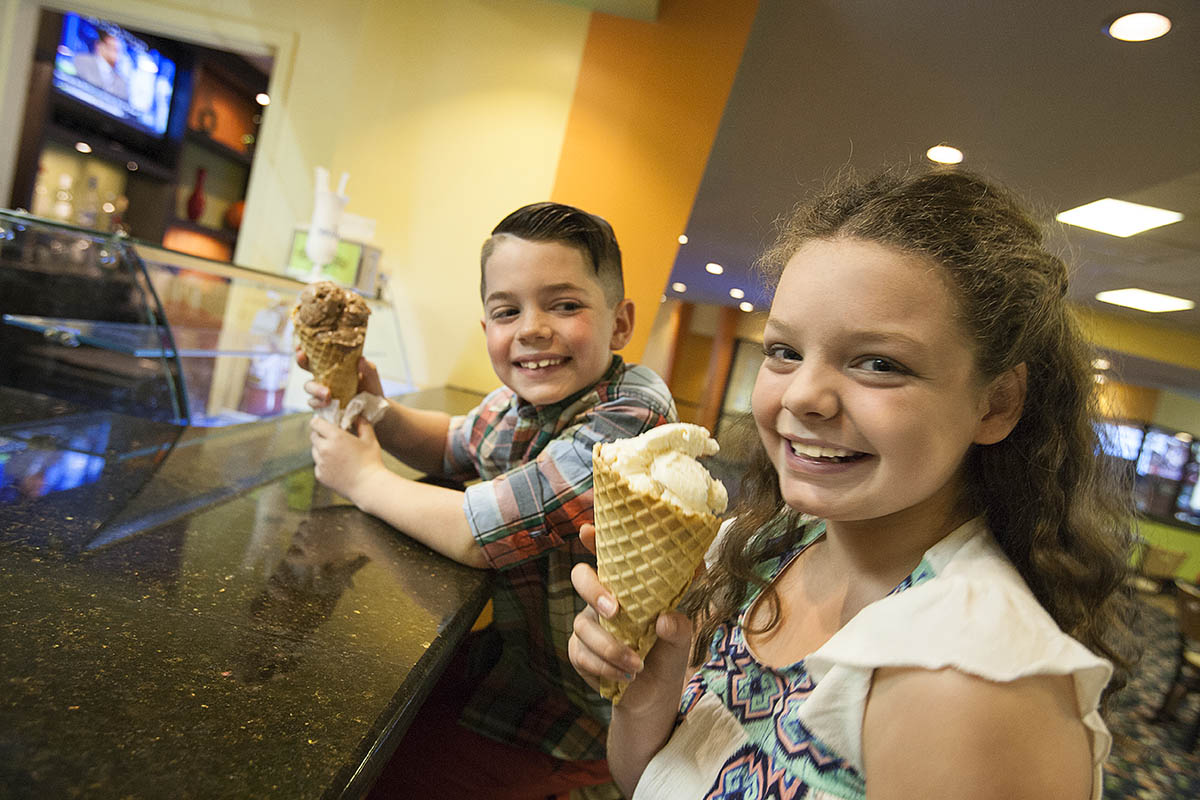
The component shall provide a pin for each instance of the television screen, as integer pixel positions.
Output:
(1120, 439)
(1163, 455)
(109, 69)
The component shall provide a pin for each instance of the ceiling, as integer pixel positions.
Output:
(1034, 94)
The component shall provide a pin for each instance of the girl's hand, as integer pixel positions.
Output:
(596, 654)
(343, 461)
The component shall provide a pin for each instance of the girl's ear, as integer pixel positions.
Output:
(1004, 403)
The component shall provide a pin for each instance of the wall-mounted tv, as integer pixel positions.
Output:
(1120, 439)
(109, 69)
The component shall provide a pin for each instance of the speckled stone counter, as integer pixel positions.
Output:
(194, 618)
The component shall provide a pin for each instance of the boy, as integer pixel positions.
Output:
(554, 311)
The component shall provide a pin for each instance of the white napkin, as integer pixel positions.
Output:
(369, 406)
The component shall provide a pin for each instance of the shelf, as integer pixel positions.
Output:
(148, 341)
(201, 139)
(226, 235)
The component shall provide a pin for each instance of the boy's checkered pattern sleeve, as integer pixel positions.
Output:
(536, 506)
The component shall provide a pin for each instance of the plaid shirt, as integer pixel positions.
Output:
(536, 466)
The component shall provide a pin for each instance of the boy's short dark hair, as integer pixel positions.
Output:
(556, 222)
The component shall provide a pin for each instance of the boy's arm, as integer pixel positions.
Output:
(415, 436)
(353, 466)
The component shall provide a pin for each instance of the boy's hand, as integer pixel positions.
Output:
(368, 381)
(595, 653)
(344, 461)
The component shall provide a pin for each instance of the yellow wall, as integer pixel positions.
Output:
(1144, 339)
(461, 107)
(646, 111)
(1126, 401)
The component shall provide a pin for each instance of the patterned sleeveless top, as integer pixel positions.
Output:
(780, 758)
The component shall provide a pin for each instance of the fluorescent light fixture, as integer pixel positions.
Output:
(714, 268)
(683, 238)
(1117, 217)
(679, 286)
(744, 306)
(944, 154)
(1139, 27)
(1143, 300)
(1100, 364)
(736, 294)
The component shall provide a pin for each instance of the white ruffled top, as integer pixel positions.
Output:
(976, 615)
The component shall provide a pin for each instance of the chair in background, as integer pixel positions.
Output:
(1156, 568)
(1187, 672)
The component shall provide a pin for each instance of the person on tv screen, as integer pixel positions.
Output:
(99, 67)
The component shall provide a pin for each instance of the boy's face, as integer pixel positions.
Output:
(550, 332)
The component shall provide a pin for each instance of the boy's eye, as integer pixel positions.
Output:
(501, 313)
(568, 305)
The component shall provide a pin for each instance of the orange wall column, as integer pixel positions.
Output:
(646, 110)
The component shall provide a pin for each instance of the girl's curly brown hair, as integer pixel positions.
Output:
(1059, 511)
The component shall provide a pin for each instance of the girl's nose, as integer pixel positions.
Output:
(812, 391)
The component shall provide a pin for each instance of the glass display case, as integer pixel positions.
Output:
(114, 324)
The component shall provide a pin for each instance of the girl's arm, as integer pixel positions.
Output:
(643, 720)
(945, 734)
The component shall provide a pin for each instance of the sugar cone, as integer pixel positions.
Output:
(332, 364)
(647, 552)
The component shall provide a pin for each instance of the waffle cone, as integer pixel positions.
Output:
(647, 552)
(332, 364)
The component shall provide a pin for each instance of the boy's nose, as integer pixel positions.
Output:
(812, 391)
(535, 326)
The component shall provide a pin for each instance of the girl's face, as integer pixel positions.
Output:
(868, 399)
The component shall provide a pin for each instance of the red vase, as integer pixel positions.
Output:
(195, 203)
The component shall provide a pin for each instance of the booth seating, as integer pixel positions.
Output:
(1187, 671)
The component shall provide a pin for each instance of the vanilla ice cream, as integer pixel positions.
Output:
(662, 462)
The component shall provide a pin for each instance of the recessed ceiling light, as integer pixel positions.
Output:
(1139, 27)
(1143, 300)
(714, 268)
(744, 306)
(1098, 378)
(683, 238)
(1100, 363)
(944, 154)
(263, 99)
(1118, 218)
(83, 147)
(678, 286)
(736, 294)
(132, 166)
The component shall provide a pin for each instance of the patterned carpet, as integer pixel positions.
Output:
(1148, 761)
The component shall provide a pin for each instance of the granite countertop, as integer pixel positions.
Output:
(188, 615)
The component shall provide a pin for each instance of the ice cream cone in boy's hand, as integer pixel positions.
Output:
(655, 508)
(331, 323)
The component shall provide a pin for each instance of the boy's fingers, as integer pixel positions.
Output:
(587, 535)
(319, 391)
(588, 585)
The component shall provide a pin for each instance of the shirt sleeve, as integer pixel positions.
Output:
(537, 506)
(457, 461)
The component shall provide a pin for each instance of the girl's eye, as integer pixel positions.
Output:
(878, 364)
(781, 352)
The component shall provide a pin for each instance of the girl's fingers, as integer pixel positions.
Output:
(587, 535)
(587, 585)
(594, 651)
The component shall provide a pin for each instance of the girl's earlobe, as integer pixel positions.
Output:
(1005, 404)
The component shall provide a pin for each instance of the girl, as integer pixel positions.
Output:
(920, 595)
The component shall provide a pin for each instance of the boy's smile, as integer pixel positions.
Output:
(550, 331)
